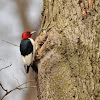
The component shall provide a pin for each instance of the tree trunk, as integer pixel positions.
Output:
(69, 68)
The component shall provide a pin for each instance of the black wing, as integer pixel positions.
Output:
(26, 47)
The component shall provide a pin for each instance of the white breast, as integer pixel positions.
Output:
(28, 59)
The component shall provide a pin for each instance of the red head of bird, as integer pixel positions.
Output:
(27, 34)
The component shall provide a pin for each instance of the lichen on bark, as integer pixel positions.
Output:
(70, 70)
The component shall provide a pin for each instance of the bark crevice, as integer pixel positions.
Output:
(69, 69)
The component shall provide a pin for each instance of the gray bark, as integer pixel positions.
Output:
(70, 66)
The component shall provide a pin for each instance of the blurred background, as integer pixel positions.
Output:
(16, 16)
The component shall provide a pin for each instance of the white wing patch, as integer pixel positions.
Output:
(28, 59)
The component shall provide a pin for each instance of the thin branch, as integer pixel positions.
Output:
(10, 43)
(16, 79)
(6, 66)
(3, 87)
(23, 73)
(2, 59)
(17, 88)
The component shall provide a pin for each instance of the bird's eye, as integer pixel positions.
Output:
(27, 32)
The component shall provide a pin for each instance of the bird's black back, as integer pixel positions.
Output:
(26, 47)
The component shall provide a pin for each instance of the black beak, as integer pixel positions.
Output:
(27, 68)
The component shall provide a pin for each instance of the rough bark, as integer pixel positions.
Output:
(69, 68)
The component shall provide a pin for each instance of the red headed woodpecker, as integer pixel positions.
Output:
(28, 49)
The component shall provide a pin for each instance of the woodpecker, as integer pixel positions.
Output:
(28, 49)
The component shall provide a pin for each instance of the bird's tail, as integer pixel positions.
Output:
(27, 68)
(34, 67)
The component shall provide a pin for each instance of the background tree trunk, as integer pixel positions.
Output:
(31, 93)
(70, 68)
